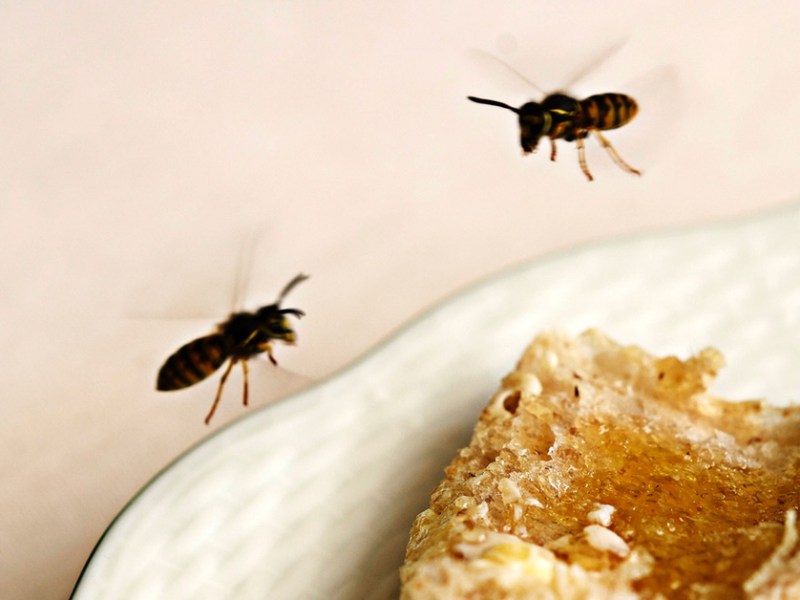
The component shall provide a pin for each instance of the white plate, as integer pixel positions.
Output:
(313, 497)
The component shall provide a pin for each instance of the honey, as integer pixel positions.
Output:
(694, 492)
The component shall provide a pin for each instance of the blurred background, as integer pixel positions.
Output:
(149, 152)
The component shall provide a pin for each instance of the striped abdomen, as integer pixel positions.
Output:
(607, 111)
(192, 363)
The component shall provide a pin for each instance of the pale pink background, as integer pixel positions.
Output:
(144, 145)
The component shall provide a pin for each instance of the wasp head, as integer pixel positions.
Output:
(272, 318)
(534, 122)
(272, 322)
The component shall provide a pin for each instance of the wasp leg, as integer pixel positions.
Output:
(219, 390)
(552, 149)
(268, 349)
(582, 157)
(246, 386)
(614, 156)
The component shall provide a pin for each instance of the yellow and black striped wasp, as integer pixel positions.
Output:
(242, 336)
(560, 116)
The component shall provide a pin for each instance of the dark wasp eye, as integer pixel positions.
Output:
(268, 312)
(531, 125)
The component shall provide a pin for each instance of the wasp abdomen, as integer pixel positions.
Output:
(192, 362)
(608, 111)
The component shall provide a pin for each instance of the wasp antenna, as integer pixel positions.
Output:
(493, 103)
(299, 278)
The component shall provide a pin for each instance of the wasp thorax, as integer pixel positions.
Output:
(561, 103)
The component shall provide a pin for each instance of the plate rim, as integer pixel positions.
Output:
(713, 223)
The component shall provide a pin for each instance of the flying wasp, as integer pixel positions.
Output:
(241, 337)
(560, 116)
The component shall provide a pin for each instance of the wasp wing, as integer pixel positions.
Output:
(192, 362)
(502, 77)
(650, 136)
(594, 66)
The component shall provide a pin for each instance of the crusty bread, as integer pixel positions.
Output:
(600, 471)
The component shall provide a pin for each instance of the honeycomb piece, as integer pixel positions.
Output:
(600, 471)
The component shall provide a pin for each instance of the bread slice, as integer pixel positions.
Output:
(600, 471)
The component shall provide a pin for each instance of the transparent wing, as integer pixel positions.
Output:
(512, 78)
(207, 277)
(656, 91)
(244, 267)
(496, 76)
(593, 66)
(644, 140)
(199, 291)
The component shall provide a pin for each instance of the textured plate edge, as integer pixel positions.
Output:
(710, 224)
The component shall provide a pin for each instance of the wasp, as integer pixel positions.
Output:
(241, 337)
(560, 116)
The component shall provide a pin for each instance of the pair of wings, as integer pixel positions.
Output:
(656, 91)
